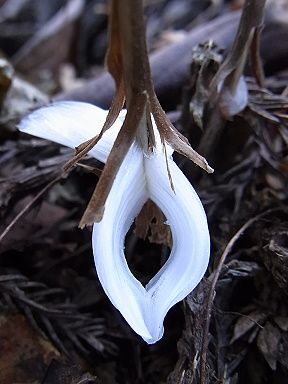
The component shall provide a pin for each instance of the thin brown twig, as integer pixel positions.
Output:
(87, 380)
(215, 276)
(239, 314)
(29, 205)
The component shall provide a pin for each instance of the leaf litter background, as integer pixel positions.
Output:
(56, 324)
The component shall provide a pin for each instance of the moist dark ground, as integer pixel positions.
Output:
(56, 324)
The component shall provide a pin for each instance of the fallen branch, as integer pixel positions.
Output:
(170, 74)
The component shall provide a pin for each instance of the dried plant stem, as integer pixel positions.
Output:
(251, 19)
(257, 67)
(214, 129)
(214, 277)
(137, 74)
(229, 73)
(128, 63)
(29, 205)
(95, 209)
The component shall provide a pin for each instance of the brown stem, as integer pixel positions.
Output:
(256, 62)
(128, 62)
(95, 209)
(251, 18)
(230, 71)
(136, 68)
(214, 129)
(214, 278)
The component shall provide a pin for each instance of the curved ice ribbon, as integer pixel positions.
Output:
(233, 103)
(139, 178)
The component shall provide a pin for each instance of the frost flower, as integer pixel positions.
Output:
(139, 178)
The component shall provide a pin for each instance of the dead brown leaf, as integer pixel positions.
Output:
(151, 223)
(174, 138)
(246, 323)
(24, 354)
(268, 343)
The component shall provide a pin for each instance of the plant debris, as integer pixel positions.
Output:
(56, 324)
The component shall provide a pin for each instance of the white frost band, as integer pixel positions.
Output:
(139, 178)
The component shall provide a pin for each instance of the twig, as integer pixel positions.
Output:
(215, 276)
(239, 314)
(29, 205)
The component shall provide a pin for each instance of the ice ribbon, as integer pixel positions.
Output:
(139, 178)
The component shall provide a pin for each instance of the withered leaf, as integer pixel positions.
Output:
(268, 343)
(24, 353)
(246, 323)
(152, 220)
(282, 322)
(262, 112)
(174, 138)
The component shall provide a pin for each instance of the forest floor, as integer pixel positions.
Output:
(56, 324)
